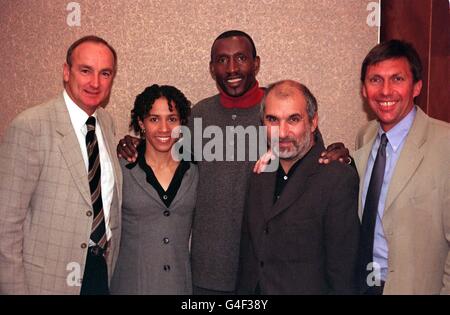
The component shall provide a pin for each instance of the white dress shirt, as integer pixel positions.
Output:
(78, 118)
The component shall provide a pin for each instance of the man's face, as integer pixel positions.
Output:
(89, 80)
(232, 66)
(390, 90)
(287, 118)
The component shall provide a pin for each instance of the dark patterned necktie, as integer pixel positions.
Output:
(370, 211)
(98, 231)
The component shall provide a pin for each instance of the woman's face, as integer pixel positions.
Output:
(159, 126)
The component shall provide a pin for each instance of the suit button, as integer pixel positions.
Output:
(89, 213)
(83, 245)
(166, 268)
(266, 230)
(166, 240)
(261, 263)
(165, 197)
(166, 213)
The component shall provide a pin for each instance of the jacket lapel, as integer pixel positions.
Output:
(362, 159)
(410, 158)
(298, 183)
(141, 179)
(70, 149)
(184, 188)
(266, 182)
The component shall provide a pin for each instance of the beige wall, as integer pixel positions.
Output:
(319, 42)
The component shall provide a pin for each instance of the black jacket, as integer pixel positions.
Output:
(307, 242)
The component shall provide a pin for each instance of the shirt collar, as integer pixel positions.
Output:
(282, 173)
(398, 133)
(77, 115)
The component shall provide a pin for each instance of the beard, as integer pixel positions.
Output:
(297, 151)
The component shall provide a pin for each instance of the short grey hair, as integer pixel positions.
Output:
(311, 102)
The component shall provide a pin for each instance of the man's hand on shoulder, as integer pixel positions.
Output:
(263, 161)
(335, 152)
(126, 149)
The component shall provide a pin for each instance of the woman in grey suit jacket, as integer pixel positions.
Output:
(159, 196)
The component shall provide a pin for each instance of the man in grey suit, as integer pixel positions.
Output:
(60, 184)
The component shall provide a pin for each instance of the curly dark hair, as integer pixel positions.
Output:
(144, 102)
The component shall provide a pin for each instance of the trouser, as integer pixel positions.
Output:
(95, 278)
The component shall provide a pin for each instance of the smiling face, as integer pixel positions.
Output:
(285, 115)
(232, 66)
(89, 80)
(159, 124)
(390, 90)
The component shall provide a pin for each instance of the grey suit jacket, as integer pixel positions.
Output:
(154, 252)
(45, 202)
(416, 219)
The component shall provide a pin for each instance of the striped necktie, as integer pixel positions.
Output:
(98, 231)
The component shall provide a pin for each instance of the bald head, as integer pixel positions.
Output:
(288, 88)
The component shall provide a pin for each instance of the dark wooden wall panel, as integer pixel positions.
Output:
(424, 23)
